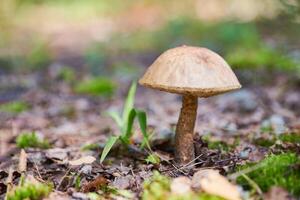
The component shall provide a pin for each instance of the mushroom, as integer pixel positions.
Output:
(192, 72)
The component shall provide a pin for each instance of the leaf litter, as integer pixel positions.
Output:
(235, 120)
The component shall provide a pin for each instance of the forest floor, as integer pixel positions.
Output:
(232, 129)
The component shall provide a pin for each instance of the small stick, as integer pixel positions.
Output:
(9, 182)
(253, 184)
(22, 166)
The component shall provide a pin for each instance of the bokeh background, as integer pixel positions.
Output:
(94, 48)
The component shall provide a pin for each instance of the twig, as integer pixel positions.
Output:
(38, 172)
(245, 171)
(191, 162)
(22, 166)
(9, 181)
(253, 184)
(62, 179)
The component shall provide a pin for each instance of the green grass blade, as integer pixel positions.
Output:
(128, 126)
(109, 144)
(129, 102)
(115, 116)
(142, 118)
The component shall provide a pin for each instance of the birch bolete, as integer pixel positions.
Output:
(192, 72)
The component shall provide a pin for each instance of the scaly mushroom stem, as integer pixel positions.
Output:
(184, 146)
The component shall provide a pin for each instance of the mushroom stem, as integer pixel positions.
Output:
(184, 146)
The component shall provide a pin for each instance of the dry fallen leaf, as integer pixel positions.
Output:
(212, 182)
(83, 160)
(95, 185)
(181, 185)
(57, 154)
(23, 161)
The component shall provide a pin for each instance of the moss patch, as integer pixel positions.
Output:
(290, 137)
(14, 107)
(29, 191)
(96, 86)
(275, 170)
(26, 140)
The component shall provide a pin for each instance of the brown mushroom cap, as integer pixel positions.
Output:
(190, 70)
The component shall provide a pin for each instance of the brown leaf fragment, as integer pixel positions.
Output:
(23, 161)
(83, 160)
(95, 185)
(9, 181)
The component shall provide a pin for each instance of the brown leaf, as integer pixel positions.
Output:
(83, 160)
(23, 161)
(95, 185)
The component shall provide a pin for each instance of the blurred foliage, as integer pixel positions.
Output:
(264, 142)
(96, 86)
(67, 74)
(96, 57)
(126, 71)
(280, 170)
(292, 8)
(90, 147)
(240, 43)
(220, 145)
(153, 159)
(32, 191)
(271, 139)
(290, 137)
(14, 107)
(261, 57)
(26, 140)
(38, 57)
(220, 37)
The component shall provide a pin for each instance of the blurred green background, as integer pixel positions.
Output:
(92, 39)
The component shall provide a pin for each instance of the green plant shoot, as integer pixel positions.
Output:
(125, 123)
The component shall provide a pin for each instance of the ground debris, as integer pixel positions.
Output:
(95, 184)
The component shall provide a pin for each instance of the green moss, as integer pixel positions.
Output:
(259, 57)
(285, 137)
(38, 57)
(153, 159)
(14, 107)
(90, 147)
(219, 145)
(30, 191)
(67, 74)
(26, 140)
(264, 142)
(290, 137)
(223, 146)
(96, 86)
(275, 170)
(221, 36)
(96, 57)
